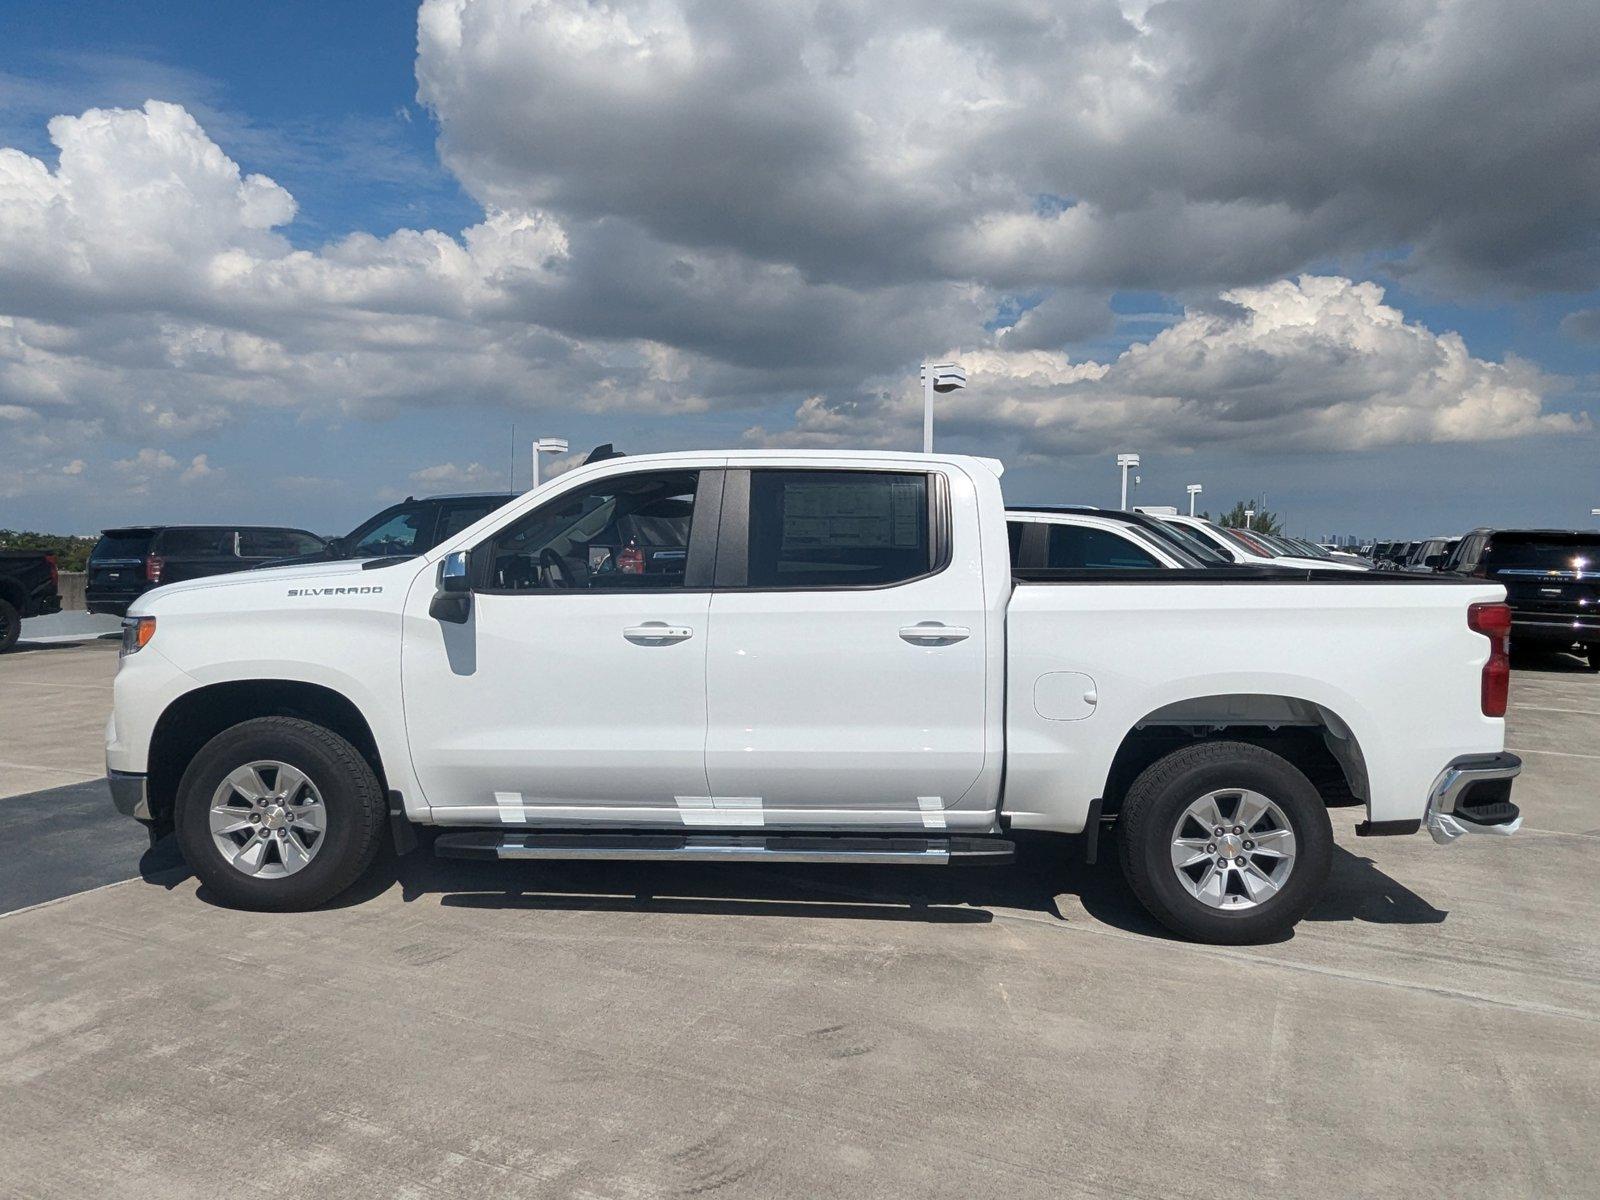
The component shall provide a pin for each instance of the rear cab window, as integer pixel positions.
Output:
(1544, 553)
(121, 544)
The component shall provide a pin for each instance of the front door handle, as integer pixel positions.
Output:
(932, 633)
(657, 633)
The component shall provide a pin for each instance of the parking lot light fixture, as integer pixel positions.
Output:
(1248, 514)
(1194, 490)
(1126, 463)
(937, 377)
(546, 446)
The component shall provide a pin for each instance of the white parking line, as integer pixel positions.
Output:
(1556, 753)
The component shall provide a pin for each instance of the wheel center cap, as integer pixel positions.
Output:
(1230, 845)
(276, 817)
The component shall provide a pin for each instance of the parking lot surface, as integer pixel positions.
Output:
(464, 1029)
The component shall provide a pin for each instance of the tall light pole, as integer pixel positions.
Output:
(1126, 463)
(1194, 490)
(937, 377)
(1248, 513)
(546, 446)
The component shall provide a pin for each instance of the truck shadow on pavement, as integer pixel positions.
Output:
(1049, 880)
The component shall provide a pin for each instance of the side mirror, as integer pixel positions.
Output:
(453, 599)
(1434, 561)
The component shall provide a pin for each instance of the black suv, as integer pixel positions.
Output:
(126, 563)
(1552, 582)
(411, 527)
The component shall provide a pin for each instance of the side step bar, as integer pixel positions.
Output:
(714, 847)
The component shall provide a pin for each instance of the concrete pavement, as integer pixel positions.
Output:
(465, 1029)
(54, 700)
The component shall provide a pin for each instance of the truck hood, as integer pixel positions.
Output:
(276, 580)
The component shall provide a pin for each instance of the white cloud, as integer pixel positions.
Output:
(446, 477)
(693, 209)
(1321, 363)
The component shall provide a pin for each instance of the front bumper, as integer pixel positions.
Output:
(1473, 795)
(129, 794)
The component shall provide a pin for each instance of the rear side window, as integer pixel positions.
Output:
(277, 543)
(821, 529)
(1094, 549)
(121, 545)
(194, 543)
(457, 517)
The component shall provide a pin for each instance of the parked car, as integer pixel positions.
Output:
(28, 588)
(1395, 559)
(413, 526)
(842, 665)
(1429, 554)
(1091, 539)
(125, 563)
(1247, 548)
(1552, 582)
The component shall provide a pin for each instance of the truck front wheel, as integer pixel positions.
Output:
(279, 814)
(1225, 842)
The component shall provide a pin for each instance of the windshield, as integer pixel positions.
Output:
(1191, 544)
(1250, 542)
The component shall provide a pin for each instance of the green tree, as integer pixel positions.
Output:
(1265, 521)
(71, 552)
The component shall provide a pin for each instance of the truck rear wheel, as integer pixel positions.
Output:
(1225, 842)
(10, 625)
(279, 814)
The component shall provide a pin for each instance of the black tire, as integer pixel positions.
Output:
(10, 625)
(1150, 813)
(354, 802)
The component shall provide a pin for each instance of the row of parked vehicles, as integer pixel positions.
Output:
(1551, 577)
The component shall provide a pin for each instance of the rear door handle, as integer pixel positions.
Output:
(931, 633)
(656, 633)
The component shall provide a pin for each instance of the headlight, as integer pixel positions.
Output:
(136, 634)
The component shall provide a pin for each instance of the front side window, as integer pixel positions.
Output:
(823, 529)
(1084, 547)
(395, 536)
(625, 533)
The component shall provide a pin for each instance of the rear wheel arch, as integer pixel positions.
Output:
(197, 716)
(1311, 736)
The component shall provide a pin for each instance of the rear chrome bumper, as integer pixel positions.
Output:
(1473, 795)
(129, 795)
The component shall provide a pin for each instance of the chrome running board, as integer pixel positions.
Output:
(713, 847)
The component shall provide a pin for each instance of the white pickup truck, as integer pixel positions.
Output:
(804, 656)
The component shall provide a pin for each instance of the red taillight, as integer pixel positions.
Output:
(1494, 622)
(55, 573)
(152, 567)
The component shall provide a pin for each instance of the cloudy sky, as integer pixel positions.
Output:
(287, 262)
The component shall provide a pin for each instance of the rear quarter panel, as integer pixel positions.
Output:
(1396, 664)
